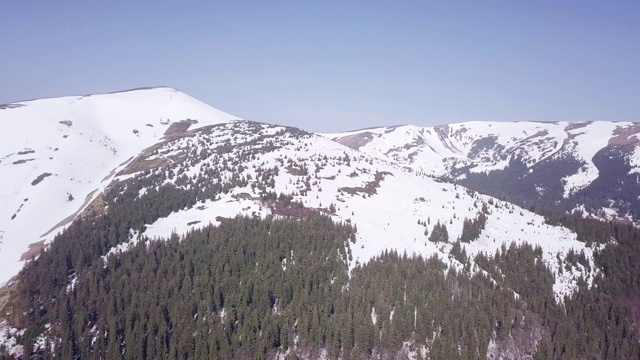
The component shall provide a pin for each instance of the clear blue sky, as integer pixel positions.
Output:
(337, 65)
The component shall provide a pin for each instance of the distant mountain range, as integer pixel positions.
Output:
(60, 154)
(591, 167)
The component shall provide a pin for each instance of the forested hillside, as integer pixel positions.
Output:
(257, 288)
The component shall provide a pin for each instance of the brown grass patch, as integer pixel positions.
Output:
(179, 127)
(34, 250)
(369, 188)
(141, 164)
(356, 141)
(625, 136)
(289, 209)
(95, 207)
(8, 297)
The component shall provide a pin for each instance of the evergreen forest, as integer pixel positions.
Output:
(257, 288)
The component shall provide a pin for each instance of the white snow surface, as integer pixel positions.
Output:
(82, 141)
(385, 220)
(209, 212)
(587, 142)
(634, 161)
(8, 338)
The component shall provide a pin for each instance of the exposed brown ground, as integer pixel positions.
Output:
(179, 127)
(96, 207)
(577, 125)
(140, 163)
(34, 249)
(278, 207)
(356, 141)
(4, 297)
(626, 136)
(370, 187)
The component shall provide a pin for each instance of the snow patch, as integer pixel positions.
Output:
(203, 214)
(8, 338)
(634, 161)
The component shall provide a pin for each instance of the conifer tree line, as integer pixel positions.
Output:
(251, 288)
(615, 187)
(471, 228)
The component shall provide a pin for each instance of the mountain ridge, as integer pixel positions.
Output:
(573, 155)
(154, 140)
(139, 88)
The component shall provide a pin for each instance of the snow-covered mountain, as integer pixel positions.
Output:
(58, 154)
(589, 166)
(61, 154)
(153, 164)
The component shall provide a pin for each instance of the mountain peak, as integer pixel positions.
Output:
(58, 154)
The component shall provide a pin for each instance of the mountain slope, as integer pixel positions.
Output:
(56, 155)
(589, 166)
(393, 209)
